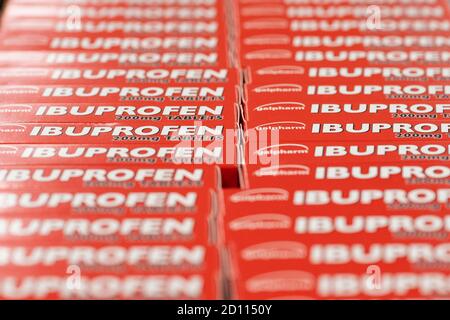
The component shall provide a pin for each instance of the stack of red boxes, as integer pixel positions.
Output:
(121, 123)
(109, 114)
(346, 108)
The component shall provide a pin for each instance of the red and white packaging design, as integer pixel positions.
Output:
(283, 12)
(272, 152)
(322, 91)
(101, 154)
(108, 157)
(164, 18)
(351, 41)
(336, 255)
(253, 29)
(63, 42)
(341, 16)
(299, 2)
(106, 3)
(119, 12)
(144, 93)
(123, 257)
(272, 107)
(108, 133)
(290, 123)
(75, 76)
(282, 251)
(151, 237)
(104, 201)
(274, 213)
(366, 196)
(312, 285)
(120, 18)
(291, 99)
(274, 22)
(80, 59)
(115, 27)
(384, 74)
(257, 261)
(259, 221)
(184, 17)
(274, 59)
(160, 94)
(281, 24)
(345, 111)
(336, 224)
(129, 177)
(414, 173)
(111, 229)
(103, 217)
(193, 272)
(351, 131)
(114, 44)
(221, 112)
(271, 280)
(38, 284)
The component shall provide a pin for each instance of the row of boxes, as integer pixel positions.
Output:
(112, 116)
(345, 111)
(125, 134)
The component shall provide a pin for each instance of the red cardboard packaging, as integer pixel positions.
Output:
(258, 94)
(110, 59)
(104, 201)
(54, 42)
(186, 152)
(107, 3)
(374, 110)
(87, 229)
(365, 196)
(336, 255)
(42, 284)
(274, 59)
(349, 131)
(221, 112)
(95, 154)
(163, 93)
(384, 74)
(252, 12)
(75, 76)
(122, 12)
(258, 220)
(98, 258)
(263, 151)
(355, 41)
(252, 28)
(283, 97)
(271, 214)
(108, 133)
(270, 238)
(85, 177)
(117, 27)
(263, 259)
(290, 120)
(414, 173)
(374, 282)
(333, 224)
